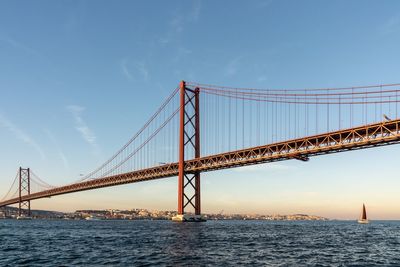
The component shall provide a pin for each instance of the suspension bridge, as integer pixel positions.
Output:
(201, 128)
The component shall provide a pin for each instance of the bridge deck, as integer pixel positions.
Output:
(378, 134)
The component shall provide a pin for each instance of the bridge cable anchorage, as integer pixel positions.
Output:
(239, 127)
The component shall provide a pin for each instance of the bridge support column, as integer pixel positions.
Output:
(24, 187)
(4, 210)
(189, 147)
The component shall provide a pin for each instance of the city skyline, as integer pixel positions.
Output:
(71, 98)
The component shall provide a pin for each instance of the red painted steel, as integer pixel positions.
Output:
(181, 171)
(189, 192)
(190, 164)
(24, 186)
(20, 191)
(197, 150)
(367, 136)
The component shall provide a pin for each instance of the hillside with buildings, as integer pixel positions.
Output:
(144, 214)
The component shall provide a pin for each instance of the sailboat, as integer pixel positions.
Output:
(363, 219)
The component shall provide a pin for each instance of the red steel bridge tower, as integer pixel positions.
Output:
(189, 148)
(239, 127)
(24, 187)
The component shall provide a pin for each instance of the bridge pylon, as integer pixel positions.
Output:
(4, 210)
(189, 147)
(24, 187)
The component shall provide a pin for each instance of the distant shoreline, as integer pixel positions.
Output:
(144, 214)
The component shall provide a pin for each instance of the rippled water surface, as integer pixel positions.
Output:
(222, 243)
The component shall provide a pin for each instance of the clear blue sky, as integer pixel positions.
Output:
(79, 78)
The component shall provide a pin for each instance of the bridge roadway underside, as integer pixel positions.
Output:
(372, 135)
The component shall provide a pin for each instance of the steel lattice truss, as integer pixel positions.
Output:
(24, 188)
(189, 182)
(372, 135)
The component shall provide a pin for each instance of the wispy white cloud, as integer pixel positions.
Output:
(64, 159)
(142, 68)
(164, 40)
(71, 23)
(261, 78)
(57, 146)
(21, 135)
(175, 28)
(391, 25)
(125, 69)
(19, 45)
(196, 10)
(81, 126)
(264, 3)
(181, 53)
(176, 25)
(233, 66)
(135, 69)
(75, 16)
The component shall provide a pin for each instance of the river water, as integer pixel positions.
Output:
(213, 243)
